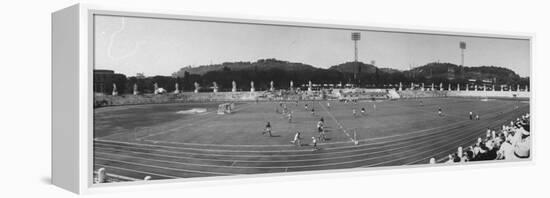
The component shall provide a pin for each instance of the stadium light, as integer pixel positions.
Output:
(462, 46)
(355, 36)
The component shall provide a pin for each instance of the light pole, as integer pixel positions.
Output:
(355, 36)
(462, 46)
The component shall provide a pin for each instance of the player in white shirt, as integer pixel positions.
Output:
(296, 139)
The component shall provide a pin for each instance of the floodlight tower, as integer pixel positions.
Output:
(355, 36)
(462, 46)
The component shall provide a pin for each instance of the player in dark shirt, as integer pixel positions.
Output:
(267, 129)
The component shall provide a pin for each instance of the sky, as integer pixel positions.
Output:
(131, 45)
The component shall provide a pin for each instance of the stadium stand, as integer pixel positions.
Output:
(511, 142)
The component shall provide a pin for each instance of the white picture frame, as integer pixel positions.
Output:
(72, 98)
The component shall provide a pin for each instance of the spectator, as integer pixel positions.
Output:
(511, 142)
(523, 142)
(455, 158)
(506, 150)
(450, 160)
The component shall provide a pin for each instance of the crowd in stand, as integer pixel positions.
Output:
(511, 142)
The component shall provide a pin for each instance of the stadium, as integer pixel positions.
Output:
(320, 112)
(200, 134)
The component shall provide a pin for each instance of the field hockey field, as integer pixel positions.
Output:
(159, 141)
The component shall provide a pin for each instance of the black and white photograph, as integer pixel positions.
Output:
(275, 98)
(188, 98)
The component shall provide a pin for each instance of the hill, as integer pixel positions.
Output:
(451, 71)
(351, 67)
(260, 65)
(263, 71)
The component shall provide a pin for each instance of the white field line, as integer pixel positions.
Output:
(276, 161)
(467, 136)
(165, 168)
(338, 124)
(132, 170)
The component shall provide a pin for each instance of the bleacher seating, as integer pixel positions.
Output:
(511, 142)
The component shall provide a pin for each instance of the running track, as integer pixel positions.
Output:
(168, 160)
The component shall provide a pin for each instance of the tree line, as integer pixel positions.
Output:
(262, 76)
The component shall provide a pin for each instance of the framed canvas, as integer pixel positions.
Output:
(163, 98)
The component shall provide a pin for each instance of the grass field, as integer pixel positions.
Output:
(154, 140)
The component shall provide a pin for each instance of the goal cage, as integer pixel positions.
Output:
(225, 108)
